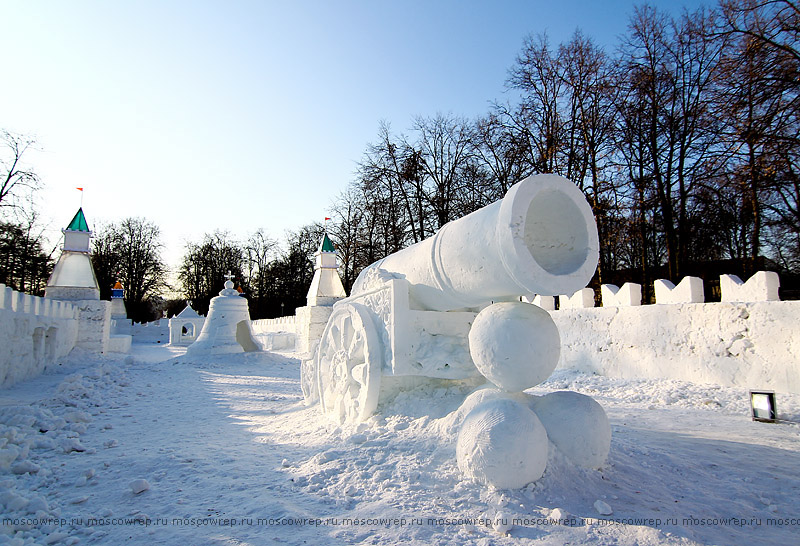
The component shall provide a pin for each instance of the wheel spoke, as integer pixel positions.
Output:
(355, 341)
(347, 336)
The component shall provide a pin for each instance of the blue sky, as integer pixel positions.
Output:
(241, 115)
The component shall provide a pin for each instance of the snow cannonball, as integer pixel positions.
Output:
(514, 345)
(479, 396)
(577, 425)
(502, 444)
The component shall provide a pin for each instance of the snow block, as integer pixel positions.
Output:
(311, 323)
(14, 301)
(582, 299)
(277, 341)
(689, 290)
(629, 295)
(94, 324)
(119, 344)
(763, 286)
(548, 303)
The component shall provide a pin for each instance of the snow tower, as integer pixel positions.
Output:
(326, 286)
(73, 277)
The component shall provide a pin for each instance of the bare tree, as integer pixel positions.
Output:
(130, 252)
(259, 251)
(502, 152)
(539, 117)
(391, 177)
(205, 266)
(773, 23)
(670, 68)
(347, 230)
(444, 143)
(16, 181)
(590, 90)
(24, 265)
(760, 110)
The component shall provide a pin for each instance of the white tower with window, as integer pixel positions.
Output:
(73, 277)
(326, 286)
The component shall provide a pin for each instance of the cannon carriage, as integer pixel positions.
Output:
(408, 317)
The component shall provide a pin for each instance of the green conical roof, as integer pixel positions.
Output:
(327, 245)
(79, 222)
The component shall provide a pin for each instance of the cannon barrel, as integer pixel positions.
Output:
(541, 238)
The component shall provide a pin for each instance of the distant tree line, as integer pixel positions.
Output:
(275, 280)
(129, 252)
(684, 141)
(24, 264)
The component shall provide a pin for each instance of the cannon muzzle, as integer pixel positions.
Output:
(541, 238)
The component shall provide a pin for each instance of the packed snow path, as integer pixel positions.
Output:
(158, 447)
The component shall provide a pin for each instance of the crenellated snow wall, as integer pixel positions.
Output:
(299, 332)
(750, 345)
(34, 333)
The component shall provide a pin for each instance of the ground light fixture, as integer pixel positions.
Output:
(762, 406)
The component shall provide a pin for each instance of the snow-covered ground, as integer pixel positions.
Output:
(158, 447)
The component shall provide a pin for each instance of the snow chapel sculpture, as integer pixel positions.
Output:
(413, 317)
(185, 326)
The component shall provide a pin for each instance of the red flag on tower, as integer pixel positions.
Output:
(79, 189)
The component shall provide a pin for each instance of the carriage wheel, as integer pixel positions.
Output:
(348, 364)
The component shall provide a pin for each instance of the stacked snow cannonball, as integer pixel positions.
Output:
(504, 438)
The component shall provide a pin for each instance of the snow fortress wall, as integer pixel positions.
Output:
(278, 334)
(280, 324)
(749, 345)
(299, 332)
(34, 333)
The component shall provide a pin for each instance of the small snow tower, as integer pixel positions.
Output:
(73, 277)
(326, 286)
(118, 310)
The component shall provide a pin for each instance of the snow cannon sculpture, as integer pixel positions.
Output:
(428, 313)
(409, 314)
